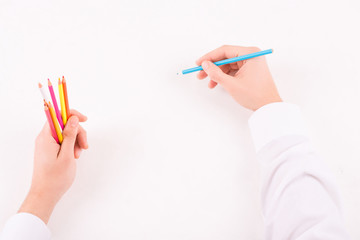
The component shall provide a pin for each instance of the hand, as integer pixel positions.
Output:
(249, 82)
(54, 166)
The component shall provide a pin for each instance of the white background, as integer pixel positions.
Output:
(169, 158)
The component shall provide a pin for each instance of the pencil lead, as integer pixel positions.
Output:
(59, 81)
(40, 86)
(49, 83)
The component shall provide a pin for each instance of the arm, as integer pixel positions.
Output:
(299, 197)
(54, 173)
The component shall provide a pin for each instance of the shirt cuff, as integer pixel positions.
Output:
(273, 121)
(25, 226)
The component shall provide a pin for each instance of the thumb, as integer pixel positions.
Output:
(215, 73)
(69, 134)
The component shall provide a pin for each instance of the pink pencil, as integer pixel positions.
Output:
(58, 115)
(51, 124)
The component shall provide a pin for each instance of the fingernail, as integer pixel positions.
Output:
(74, 121)
(78, 155)
(205, 65)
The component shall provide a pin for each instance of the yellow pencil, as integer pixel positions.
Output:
(55, 121)
(62, 102)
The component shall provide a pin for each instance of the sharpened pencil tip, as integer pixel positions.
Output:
(49, 83)
(59, 81)
(40, 86)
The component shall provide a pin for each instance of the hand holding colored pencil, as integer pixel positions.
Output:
(249, 82)
(57, 118)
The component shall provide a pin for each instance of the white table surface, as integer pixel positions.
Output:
(169, 158)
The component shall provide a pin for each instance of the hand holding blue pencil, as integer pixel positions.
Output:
(249, 82)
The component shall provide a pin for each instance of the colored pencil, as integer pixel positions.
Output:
(230, 60)
(58, 114)
(51, 124)
(43, 93)
(54, 119)
(66, 98)
(62, 102)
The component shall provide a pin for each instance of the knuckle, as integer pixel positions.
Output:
(67, 134)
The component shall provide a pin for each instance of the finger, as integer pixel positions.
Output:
(216, 74)
(81, 138)
(45, 129)
(77, 151)
(82, 117)
(225, 68)
(233, 66)
(225, 52)
(212, 84)
(46, 134)
(69, 134)
(201, 75)
(233, 72)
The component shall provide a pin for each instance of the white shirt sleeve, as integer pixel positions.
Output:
(25, 226)
(299, 197)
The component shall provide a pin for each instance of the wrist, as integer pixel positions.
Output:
(268, 100)
(39, 204)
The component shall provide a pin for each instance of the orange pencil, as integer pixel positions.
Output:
(66, 98)
(51, 124)
(56, 124)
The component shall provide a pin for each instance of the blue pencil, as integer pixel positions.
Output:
(230, 60)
